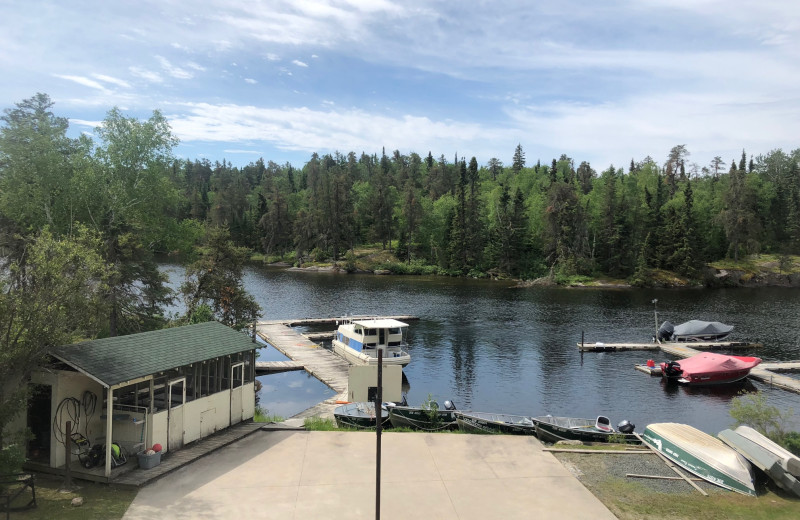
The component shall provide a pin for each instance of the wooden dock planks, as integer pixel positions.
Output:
(322, 364)
(724, 345)
(274, 367)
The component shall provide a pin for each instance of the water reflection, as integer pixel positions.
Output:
(489, 346)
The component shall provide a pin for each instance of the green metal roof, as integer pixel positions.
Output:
(115, 360)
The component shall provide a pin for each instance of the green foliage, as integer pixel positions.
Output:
(263, 416)
(12, 457)
(318, 424)
(791, 441)
(753, 410)
(51, 296)
(214, 282)
(431, 408)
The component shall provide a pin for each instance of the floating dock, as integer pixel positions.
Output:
(311, 357)
(333, 320)
(275, 367)
(718, 345)
(764, 372)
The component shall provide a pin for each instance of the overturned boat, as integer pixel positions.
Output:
(705, 456)
(755, 450)
(709, 368)
(694, 330)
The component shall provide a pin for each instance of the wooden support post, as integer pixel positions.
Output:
(68, 457)
(109, 417)
(673, 466)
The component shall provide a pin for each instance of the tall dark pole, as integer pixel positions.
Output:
(378, 418)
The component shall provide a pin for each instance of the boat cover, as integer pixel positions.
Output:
(710, 362)
(702, 328)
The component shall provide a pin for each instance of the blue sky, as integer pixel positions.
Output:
(602, 81)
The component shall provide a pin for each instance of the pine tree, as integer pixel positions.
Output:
(518, 162)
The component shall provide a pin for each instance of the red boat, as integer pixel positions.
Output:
(709, 368)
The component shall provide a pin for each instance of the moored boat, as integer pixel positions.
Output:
(359, 415)
(359, 340)
(705, 456)
(709, 368)
(481, 422)
(555, 429)
(694, 330)
(429, 417)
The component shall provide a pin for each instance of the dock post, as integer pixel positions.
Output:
(581, 341)
(378, 420)
(67, 469)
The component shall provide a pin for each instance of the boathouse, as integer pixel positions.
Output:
(167, 387)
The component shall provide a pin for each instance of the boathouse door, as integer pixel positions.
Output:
(237, 384)
(177, 398)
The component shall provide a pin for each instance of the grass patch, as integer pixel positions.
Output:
(99, 501)
(318, 424)
(757, 264)
(630, 500)
(262, 416)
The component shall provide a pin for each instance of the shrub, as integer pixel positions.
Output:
(752, 409)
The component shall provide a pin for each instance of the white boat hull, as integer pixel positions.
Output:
(391, 357)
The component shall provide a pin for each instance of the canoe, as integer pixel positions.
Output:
(422, 419)
(705, 456)
(495, 423)
(555, 429)
(761, 458)
(359, 415)
(709, 368)
(788, 460)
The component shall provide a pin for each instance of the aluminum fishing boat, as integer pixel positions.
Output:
(359, 415)
(480, 422)
(555, 429)
(709, 368)
(359, 340)
(705, 456)
(767, 461)
(427, 418)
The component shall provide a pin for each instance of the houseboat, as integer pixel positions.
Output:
(359, 340)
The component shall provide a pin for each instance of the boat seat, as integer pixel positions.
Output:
(603, 424)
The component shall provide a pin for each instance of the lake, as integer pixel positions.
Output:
(489, 346)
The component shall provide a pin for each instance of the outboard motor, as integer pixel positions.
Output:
(673, 369)
(626, 427)
(665, 331)
(448, 405)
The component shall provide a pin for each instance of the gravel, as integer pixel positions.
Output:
(595, 469)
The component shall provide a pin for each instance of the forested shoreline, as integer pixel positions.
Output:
(559, 218)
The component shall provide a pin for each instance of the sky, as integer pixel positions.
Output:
(601, 81)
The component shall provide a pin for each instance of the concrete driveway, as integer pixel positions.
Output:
(331, 475)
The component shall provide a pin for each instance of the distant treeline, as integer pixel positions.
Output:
(517, 220)
(520, 220)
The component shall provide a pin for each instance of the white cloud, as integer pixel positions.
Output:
(86, 82)
(195, 66)
(175, 72)
(250, 81)
(114, 81)
(299, 63)
(272, 57)
(147, 75)
(313, 130)
(245, 152)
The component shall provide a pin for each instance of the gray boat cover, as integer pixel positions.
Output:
(701, 328)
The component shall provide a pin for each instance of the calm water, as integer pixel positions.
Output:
(488, 346)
